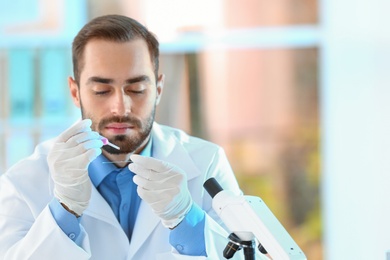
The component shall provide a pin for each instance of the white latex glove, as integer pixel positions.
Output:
(164, 187)
(68, 162)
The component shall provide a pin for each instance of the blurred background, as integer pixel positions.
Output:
(295, 91)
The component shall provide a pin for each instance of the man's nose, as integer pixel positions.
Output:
(121, 105)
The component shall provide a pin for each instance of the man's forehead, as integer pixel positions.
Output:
(116, 52)
(104, 56)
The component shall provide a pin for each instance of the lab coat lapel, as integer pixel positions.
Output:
(166, 147)
(146, 222)
(99, 209)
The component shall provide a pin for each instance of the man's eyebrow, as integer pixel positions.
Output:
(137, 79)
(96, 79)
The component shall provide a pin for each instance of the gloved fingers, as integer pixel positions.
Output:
(151, 163)
(161, 196)
(158, 181)
(62, 151)
(86, 146)
(79, 126)
(78, 159)
(91, 154)
(82, 159)
(82, 147)
(156, 184)
(143, 172)
(150, 174)
(139, 170)
(82, 137)
(142, 182)
(74, 176)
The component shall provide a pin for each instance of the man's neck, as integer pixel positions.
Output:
(120, 160)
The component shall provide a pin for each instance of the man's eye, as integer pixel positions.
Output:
(135, 91)
(100, 93)
(138, 91)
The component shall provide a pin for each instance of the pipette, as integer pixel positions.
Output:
(106, 142)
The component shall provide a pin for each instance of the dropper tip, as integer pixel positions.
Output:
(106, 142)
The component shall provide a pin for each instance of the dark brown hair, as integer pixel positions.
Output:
(115, 28)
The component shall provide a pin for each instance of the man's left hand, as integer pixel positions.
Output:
(164, 187)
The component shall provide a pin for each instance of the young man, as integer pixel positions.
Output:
(76, 198)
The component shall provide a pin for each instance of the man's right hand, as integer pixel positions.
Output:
(68, 162)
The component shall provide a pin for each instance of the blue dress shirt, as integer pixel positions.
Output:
(118, 189)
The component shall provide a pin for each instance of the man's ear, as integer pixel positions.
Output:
(160, 87)
(74, 91)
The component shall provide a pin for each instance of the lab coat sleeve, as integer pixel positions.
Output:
(25, 236)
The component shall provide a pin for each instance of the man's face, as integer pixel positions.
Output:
(118, 92)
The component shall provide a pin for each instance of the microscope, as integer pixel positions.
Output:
(251, 222)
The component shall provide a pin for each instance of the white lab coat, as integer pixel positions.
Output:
(29, 231)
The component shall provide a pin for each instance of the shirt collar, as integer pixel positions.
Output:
(98, 170)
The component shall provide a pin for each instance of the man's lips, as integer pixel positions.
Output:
(118, 128)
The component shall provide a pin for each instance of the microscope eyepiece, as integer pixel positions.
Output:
(212, 187)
